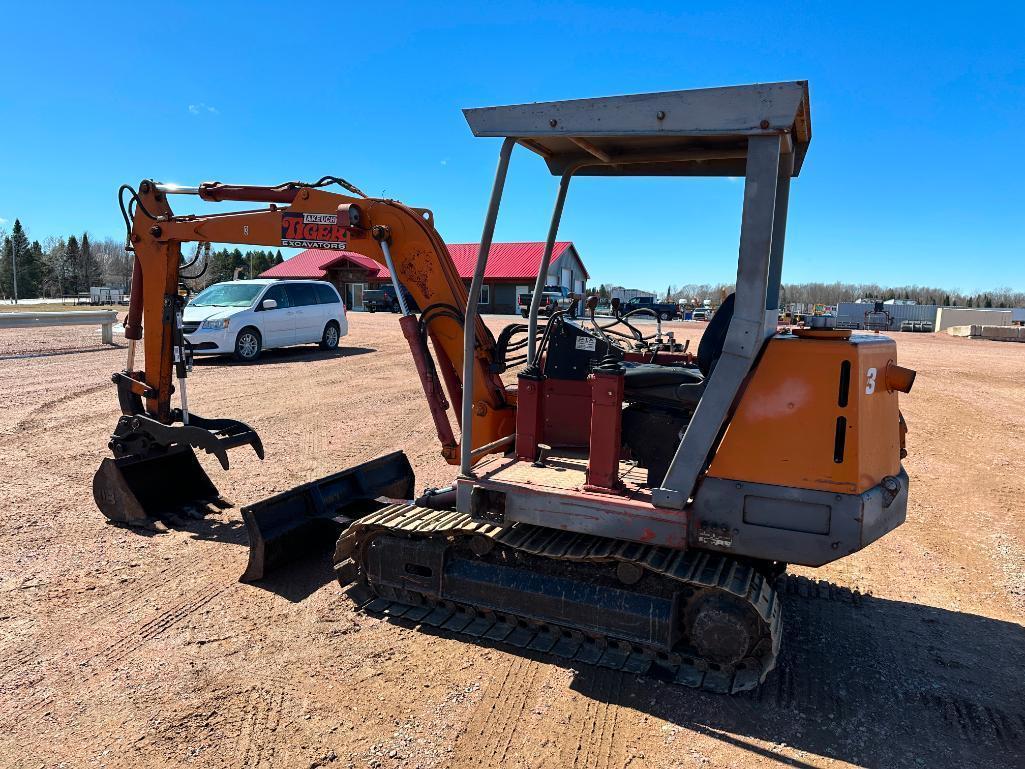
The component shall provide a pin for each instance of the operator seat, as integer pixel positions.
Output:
(676, 386)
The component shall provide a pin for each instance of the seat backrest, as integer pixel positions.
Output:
(712, 341)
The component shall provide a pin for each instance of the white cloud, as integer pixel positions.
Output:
(199, 109)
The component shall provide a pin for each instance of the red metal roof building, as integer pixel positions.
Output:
(511, 270)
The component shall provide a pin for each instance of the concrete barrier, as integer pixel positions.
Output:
(105, 319)
(997, 333)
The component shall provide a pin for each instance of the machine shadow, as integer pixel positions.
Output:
(284, 355)
(869, 681)
(298, 580)
(294, 581)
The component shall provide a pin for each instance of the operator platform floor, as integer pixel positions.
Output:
(564, 470)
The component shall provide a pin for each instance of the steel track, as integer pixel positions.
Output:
(673, 570)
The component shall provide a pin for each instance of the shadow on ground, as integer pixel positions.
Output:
(870, 681)
(293, 580)
(70, 351)
(866, 680)
(284, 355)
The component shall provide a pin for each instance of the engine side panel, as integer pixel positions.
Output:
(816, 414)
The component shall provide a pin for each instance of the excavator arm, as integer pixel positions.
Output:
(149, 438)
(384, 230)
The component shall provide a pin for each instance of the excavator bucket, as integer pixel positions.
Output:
(138, 490)
(154, 472)
(311, 517)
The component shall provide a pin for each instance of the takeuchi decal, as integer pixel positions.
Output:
(313, 231)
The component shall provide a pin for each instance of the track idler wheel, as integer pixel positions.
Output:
(721, 631)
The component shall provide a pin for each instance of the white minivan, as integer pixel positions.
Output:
(245, 317)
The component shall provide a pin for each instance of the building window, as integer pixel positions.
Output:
(485, 294)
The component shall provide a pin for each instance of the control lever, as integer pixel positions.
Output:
(541, 449)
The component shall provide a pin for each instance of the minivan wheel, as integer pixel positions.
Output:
(248, 345)
(395, 306)
(331, 335)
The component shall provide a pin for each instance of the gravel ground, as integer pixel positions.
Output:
(123, 649)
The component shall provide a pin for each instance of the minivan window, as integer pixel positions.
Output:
(302, 294)
(227, 295)
(279, 295)
(326, 294)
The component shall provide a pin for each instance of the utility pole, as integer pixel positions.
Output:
(14, 265)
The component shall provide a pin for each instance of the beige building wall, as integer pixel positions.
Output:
(968, 316)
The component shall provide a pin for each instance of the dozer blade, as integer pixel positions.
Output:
(311, 517)
(136, 490)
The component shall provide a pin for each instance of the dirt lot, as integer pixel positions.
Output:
(130, 650)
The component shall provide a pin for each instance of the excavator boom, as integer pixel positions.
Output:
(154, 471)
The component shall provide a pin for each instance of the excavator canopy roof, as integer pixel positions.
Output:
(700, 132)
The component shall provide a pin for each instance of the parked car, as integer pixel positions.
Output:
(245, 317)
(665, 310)
(700, 313)
(384, 298)
(552, 298)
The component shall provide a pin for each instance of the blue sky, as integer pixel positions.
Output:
(914, 174)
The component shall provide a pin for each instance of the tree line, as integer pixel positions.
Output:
(209, 267)
(66, 266)
(59, 266)
(833, 293)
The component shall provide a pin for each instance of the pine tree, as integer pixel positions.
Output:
(88, 271)
(259, 262)
(6, 259)
(30, 270)
(946, 300)
(989, 301)
(223, 264)
(69, 267)
(17, 253)
(237, 260)
(45, 279)
(278, 258)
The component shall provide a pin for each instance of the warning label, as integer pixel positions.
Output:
(586, 343)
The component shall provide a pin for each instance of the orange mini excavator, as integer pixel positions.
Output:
(625, 503)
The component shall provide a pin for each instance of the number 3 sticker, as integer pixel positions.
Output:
(870, 382)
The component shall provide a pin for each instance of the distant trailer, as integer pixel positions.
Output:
(106, 295)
